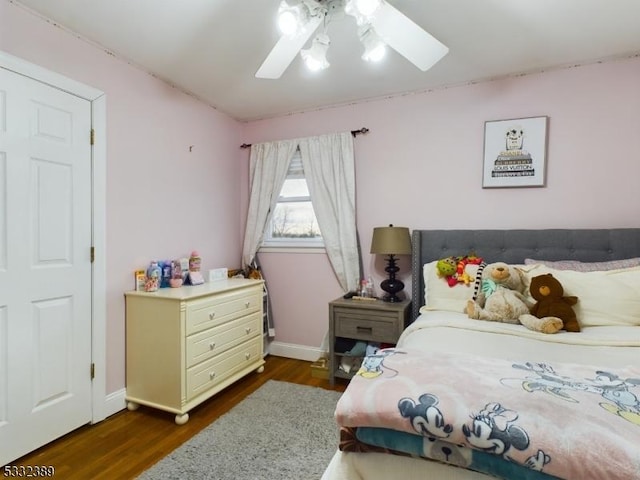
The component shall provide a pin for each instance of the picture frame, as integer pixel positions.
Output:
(515, 152)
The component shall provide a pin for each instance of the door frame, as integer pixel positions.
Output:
(98, 214)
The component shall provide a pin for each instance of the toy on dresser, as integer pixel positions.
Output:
(195, 276)
(176, 274)
(154, 277)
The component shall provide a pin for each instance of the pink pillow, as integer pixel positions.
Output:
(586, 266)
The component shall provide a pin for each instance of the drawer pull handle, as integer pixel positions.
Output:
(211, 315)
(212, 375)
(364, 329)
(247, 304)
(247, 356)
(248, 330)
(212, 345)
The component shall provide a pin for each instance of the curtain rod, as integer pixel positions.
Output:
(363, 130)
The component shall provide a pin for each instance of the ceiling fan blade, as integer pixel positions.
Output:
(286, 50)
(407, 38)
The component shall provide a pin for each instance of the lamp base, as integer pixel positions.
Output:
(391, 285)
(392, 288)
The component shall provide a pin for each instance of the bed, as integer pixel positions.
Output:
(468, 399)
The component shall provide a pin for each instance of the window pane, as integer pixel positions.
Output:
(294, 220)
(294, 187)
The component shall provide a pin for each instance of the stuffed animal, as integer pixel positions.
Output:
(446, 267)
(551, 302)
(501, 298)
(453, 269)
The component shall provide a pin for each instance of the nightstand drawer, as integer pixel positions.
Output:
(369, 329)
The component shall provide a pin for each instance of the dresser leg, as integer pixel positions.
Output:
(182, 419)
(260, 369)
(132, 406)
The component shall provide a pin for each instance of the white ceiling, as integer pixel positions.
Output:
(212, 48)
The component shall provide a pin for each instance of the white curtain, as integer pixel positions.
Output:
(268, 166)
(329, 168)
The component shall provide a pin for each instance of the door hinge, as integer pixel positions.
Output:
(93, 371)
(92, 136)
(93, 254)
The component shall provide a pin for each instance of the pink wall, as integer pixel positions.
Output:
(426, 149)
(162, 200)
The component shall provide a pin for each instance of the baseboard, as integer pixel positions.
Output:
(299, 352)
(115, 402)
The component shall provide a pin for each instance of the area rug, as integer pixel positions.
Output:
(282, 431)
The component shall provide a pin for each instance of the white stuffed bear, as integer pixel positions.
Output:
(501, 298)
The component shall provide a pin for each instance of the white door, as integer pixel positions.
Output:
(45, 264)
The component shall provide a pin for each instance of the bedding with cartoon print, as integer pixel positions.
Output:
(384, 440)
(509, 419)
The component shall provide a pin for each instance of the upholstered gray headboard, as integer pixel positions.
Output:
(513, 246)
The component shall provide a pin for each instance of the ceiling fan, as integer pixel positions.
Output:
(379, 25)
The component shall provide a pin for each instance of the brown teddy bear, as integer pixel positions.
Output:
(551, 301)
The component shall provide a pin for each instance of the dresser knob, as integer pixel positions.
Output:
(211, 375)
(248, 330)
(247, 304)
(247, 356)
(211, 315)
(212, 345)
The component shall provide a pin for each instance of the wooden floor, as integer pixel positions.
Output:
(127, 443)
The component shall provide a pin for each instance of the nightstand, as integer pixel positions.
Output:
(364, 320)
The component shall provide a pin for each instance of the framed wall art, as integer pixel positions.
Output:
(515, 152)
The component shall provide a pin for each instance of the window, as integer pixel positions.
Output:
(294, 223)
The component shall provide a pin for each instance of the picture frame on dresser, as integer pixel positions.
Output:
(515, 152)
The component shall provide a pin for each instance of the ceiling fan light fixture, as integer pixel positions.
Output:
(292, 18)
(377, 17)
(367, 7)
(374, 47)
(362, 10)
(315, 57)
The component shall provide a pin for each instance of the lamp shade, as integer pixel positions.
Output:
(391, 241)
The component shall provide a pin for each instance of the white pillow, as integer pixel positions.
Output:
(605, 298)
(438, 295)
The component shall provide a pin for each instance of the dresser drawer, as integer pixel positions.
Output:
(377, 328)
(208, 343)
(209, 373)
(207, 313)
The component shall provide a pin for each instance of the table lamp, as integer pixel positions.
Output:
(391, 241)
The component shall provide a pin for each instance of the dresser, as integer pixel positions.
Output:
(184, 345)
